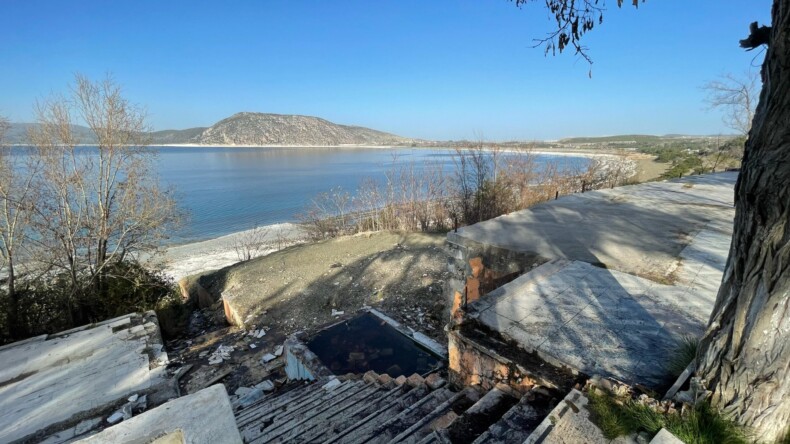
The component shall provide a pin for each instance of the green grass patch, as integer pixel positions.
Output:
(701, 425)
(683, 355)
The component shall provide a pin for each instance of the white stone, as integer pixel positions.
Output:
(241, 391)
(278, 351)
(334, 382)
(664, 436)
(266, 385)
(115, 417)
(86, 426)
(268, 357)
(133, 398)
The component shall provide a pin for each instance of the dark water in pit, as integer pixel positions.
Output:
(368, 343)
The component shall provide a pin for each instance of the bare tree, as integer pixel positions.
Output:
(249, 243)
(17, 191)
(736, 96)
(101, 204)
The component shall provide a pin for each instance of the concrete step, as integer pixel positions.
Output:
(389, 429)
(296, 408)
(479, 417)
(517, 424)
(268, 413)
(342, 420)
(374, 419)
(273, 402)
(438, 418)
(316, 417)
(292, 391)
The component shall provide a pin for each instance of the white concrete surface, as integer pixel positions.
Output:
(639, 229)
(204, 417)
(47, 380)
(603, 321)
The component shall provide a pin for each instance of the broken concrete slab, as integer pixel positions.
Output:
(594, 325)
(570, 422)
(639, 229)
(53, 382)
(185, 417)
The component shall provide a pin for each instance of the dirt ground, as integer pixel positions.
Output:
(647, 168)
(298, 288)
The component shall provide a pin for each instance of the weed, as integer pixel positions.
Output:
(700, 425)
(683, 355)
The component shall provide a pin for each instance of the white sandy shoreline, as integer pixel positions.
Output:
(560, 152)
(179, 261)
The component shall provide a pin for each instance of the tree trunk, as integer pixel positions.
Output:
(745, 353)
(14, 325)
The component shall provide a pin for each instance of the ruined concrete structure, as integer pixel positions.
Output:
(58, 387)
(603, 283)
(612, 280)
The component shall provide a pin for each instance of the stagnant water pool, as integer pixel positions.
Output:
(367, 342)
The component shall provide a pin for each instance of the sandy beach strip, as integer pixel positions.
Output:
(180, 261)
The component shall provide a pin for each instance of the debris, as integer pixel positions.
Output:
(253, 346)
(266, 385)
(183, 370)
(221, 354)
(133, 398)
(123, 414)
(242, 391)
(218, 377)
(140, 404)
(86, 426)
(250, 398)
(268, 357)
(258, 333)
(334, 382)
(337, 312)
(278, 351)
(115, 417)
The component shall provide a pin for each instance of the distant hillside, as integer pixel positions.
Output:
(251, 129)
(609, 139)
(280, 129)
(17, 134)
(167, 137)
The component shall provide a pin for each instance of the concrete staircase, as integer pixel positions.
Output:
(379, 409)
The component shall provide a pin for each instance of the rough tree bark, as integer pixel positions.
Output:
(745, 354)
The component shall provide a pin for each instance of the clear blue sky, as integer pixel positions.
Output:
(438, 69)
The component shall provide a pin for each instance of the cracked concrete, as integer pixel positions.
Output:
(48, 381)
(614, 301)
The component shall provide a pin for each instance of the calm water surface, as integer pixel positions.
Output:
(231, 189)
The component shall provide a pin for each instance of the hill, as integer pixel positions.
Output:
(280, 129)
(250, 129)
(167, 137)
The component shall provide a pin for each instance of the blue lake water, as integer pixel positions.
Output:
(231, 189)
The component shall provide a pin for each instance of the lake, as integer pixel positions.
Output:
(225, 190)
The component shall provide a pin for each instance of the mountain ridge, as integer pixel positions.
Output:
(251, 129)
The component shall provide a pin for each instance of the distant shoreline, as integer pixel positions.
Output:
(568, 152)
(579, 152)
